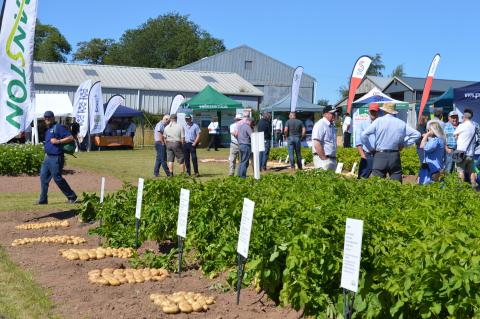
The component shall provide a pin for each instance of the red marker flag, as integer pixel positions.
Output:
(359, 71)
(428, 84)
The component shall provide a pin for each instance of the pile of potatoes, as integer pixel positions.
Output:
(64, 223)
(96, 253)
(64, 239)
(116, 277)
(182, 301)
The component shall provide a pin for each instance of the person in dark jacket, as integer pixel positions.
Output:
(265, 126)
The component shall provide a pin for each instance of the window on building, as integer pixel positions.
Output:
(37, 69)
(157, 76)
(209, 79)
(248, 65)
(90, 72)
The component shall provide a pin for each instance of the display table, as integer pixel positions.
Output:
(113, 141)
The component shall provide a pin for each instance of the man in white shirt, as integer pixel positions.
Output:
(347, 130)
(234, 148)
(277, 130)
(131, 128)
(324, 141)
(465, 135)
(214, 134)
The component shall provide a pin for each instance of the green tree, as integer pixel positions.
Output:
(377, 66)
(93, 51)
(343, 91)
(398, 71)
(323, 102)
(50, 45)
(168, 41)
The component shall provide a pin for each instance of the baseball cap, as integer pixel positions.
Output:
(329, 109)
(188, 116)
(453, 113)
(374, 107)
(238, 116)
(48, 114)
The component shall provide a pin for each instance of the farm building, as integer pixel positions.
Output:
(147, 89)
(272, 77)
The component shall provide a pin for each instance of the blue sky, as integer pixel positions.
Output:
(325, 37)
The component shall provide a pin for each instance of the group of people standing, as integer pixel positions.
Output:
(174, 141)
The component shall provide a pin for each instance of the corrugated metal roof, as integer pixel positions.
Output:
(439, 85)
(69, 74)
(253, 65)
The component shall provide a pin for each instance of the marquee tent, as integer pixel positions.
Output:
(283, 105)
(377, 96)
(59, 104)
(210, 99)
(468, 97)
(124, 111)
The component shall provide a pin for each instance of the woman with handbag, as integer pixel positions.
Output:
(433, 146)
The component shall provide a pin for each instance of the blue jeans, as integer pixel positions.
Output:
(245, 151)
(294, 144)
(52, 168)
(161, 159)
(366, 166)
(449, 163)
(264, 155)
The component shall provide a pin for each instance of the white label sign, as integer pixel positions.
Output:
(102, 189)
(352, 250)
(138, 209)
(339, 168)
(258, 142)
(183, 212)
(245, 227)
(354, 167)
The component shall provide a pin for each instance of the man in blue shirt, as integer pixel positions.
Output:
(391, 135)
(55, 136)
(192, 138)
(451, 146)
(366, 157)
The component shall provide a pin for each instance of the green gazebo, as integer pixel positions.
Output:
(210, 99)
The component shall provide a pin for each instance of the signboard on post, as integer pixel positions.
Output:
(258, 145)
(339, 168)
(183, 213)
(352, 250)
(138, 209)
(102, 189)
(244, 240)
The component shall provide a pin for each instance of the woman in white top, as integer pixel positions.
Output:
(214, 134)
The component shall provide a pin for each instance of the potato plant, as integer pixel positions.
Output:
(420, 245)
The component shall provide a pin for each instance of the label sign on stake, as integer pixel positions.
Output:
(244, 241)
(339, 168)
(102, 189)
(351, 254)
(183, 212)
(138, 209)
(258, 145)
(245, 227)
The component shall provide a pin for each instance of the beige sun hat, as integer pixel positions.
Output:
(389, 108)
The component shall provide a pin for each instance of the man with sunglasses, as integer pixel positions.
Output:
(52, 166)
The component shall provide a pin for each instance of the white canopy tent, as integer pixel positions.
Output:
(59, 104)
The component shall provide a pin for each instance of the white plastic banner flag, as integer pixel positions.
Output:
(80, 107)
(297, 78)
(183, 213)
(16, 60)
(352, 249)
(95, 107)
(113, 103)
(176, 102)
(245, 227)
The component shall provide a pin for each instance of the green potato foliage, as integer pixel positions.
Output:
(17, 159)
(420, 253)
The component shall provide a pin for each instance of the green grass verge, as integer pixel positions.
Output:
(20, 296)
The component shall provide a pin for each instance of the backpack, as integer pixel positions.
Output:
(68, 148)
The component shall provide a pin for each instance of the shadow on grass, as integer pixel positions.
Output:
(57, 215)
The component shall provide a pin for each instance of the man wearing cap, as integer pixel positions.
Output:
(391, 135)
(174, 137)
(234, 147)
(451, 142)
(366, 157)
(295, 132)
(52, 166)
(265, 126)
(160, 147)
(192, 138)
(324, 141)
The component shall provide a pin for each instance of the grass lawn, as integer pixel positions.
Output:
(20, 296)
(129, 165)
